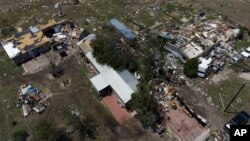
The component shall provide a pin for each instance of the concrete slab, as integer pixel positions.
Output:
(115, 107)
(187, 128)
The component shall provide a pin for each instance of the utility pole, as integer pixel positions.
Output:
(243, 85)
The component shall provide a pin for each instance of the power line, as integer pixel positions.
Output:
(243, 85)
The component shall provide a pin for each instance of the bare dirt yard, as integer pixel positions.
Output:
(223, 86)
(199, 100)
(78, 92)
(245, 76)
(221, 76)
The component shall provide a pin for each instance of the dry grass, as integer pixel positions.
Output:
(238, 11)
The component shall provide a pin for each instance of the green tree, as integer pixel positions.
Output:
(68, 118)
(146, 119)
(20, 135)
(88, 127)
(6, 28)
(241, 33)
(145, 105)
(145, 68)
(191, 68)
(4, 23)
(113, 51)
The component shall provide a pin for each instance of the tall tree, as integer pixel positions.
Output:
(145, 105)
(113, 51)
(191, 68)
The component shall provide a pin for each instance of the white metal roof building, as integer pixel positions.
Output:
(11, 50)
(99, 82)
(123, 83)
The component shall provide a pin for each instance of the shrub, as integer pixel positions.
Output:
(45, 130)
(20, 135)
(191, 68)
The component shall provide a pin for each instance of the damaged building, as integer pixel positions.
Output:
(210, 41)
(34, 41)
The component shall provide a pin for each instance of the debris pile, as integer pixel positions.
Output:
(164, 94)
(211, 41)
(31, 100)
(73, 110)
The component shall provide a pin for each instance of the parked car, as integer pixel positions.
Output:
(234, 60)
(240, 119)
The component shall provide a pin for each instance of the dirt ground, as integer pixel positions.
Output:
(237, 10)
(187, 127)
(221, 76)
(79, 92)
(245, 76)
(200, 102)
(208, 97)
(36, 65)
(46, 60)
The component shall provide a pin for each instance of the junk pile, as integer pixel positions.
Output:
(211, 41)
(164, 93)
(31, 100)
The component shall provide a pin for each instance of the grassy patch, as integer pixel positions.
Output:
(88, 84)
(228, 89)
(8, 96)
(241, 44)
(241, 66)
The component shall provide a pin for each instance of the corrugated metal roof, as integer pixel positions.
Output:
(99, 82)
(11, 50)
(123, 29)
(176, 52)
(123, 83)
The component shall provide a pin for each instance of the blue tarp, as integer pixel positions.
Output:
(29, 90)
(33, 29)
(123, 29)
(32, 89)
